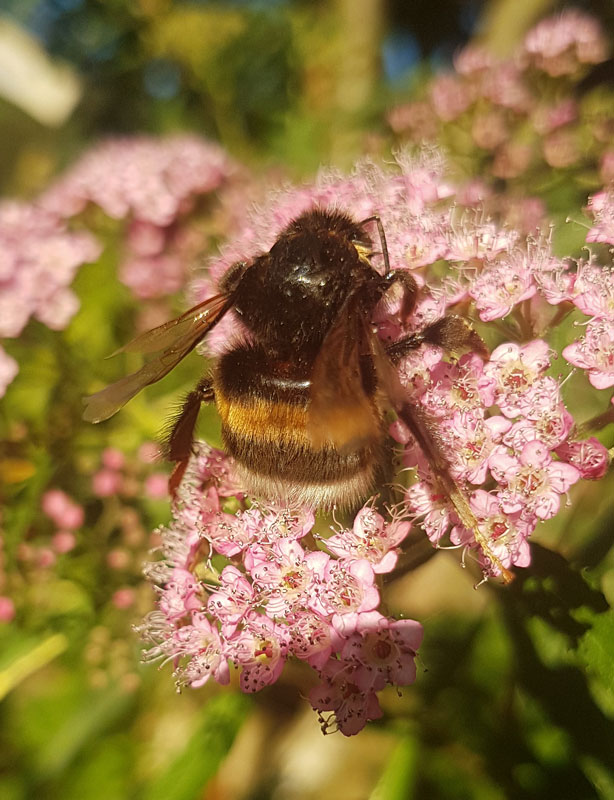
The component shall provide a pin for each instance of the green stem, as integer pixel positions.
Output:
(596, 423)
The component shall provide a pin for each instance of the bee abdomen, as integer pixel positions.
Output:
(277, 458)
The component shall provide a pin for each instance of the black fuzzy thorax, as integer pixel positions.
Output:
(289, 298)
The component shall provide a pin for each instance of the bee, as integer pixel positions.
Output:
(304, 396)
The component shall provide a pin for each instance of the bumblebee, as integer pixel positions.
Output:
(303, 397)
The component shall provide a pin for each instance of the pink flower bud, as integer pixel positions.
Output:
(106, 483)
(156, 486)
(123, 598)
(7, 609)
(62, 510)
(112, 458)
(63, 541)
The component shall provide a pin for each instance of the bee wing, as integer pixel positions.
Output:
(170, 342)
(167, 334)
(341, 410)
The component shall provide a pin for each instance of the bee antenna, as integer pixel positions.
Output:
(382, 236)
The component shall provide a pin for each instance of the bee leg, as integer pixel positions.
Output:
(393, 276)
(410, 290)
(455, 334)
(425, 434)
(180, 438)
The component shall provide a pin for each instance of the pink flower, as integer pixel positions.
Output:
(203, 644)
(180, 596)
(286, 575)
(341, 694)
(371, 538)
(311, 637)
(213, 467)
(533, 481)
(601, 206)
(45, 557)
(559, 44)
(589, 456)
(485, 443)
(63, 541)
(606, 167)
(595, 353)
(562, 148)
(472, 59)
(472, 239)
(143, 176)
(489, 130)
(40, 258)
(145, 239)
(424, 500)
(472, 441)
(347, 590)
(196, 648)
(450, 97)
(107, 482)
(553, 277)
(511, 371)
(118, 559)
(384, 651)
(62, 509)
(234, 598)
(153, 183)
(506, 533)
(545, 418)
(230, 534)
(123, 598)
(153, 276)
(456, 387)
(505, 86)
(593, 291)
(512, 159)
(260, 649)
(499, 288)
(112, 458)
(7, 609)
(156, 485)
(548, 118)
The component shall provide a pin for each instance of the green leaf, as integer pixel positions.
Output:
(596, 649)
(23, 657)
(187, 776)
(98, 712)
(398, 779)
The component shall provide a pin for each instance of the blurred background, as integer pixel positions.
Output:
(514, 695)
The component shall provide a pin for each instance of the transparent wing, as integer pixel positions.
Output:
(341, 410)
(166, 335)
(170, 342)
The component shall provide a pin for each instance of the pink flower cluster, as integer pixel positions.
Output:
(514, 466)
(67, 516)
(155, 184)
(278, 597)
(123, 476)
(560, 45)
(593, 293)
(502, 426)
(39, 258)
(516, 119)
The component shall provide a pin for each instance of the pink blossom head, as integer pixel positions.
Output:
(40, 258)
(560, 44)
(62, 509)
(7, 609)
